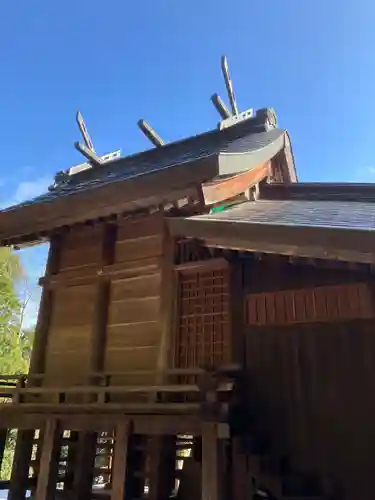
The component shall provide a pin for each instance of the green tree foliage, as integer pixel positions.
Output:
(15, 343)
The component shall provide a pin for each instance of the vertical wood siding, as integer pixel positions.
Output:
(312, 372)
(133, 330)
(131, 334)
(319, 304)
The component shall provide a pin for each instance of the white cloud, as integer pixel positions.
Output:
(25, 190)
(30, 189)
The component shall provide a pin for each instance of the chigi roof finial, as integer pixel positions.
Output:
(87, 149)
(229, 86)
(150, 133)
(229, 116)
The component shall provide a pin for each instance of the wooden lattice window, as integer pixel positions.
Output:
(320, 304)
(203, 324)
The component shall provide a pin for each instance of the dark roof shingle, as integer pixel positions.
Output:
(244, 137)
(299, 213)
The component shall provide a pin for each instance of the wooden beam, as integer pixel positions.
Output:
(210, 462)
(21, 462)
(349, 245)
(120, 460)
(49, 459)
(201, 265)
(126, 389)
(158, 424)
(224, 189)
(102, 273)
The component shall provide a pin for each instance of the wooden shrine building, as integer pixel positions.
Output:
(206, 327)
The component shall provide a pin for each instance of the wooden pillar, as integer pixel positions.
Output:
(49, 461)
(159, 448)
(83, 470)
(161, 451)
(3, 442)
(238, 345)
(21, 463)
(211, 489)
(38, 354)
(99, 331)
(119, 467)
(167, 298)
(241, 482)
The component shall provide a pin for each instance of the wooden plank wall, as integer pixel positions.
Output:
(71, 323)
(133, 333)
(130, 301)
(313, 382)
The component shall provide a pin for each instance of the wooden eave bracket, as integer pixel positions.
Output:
(227, 188)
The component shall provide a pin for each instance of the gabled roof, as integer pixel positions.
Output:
(252, 137)
(328, 221)
(150, 176)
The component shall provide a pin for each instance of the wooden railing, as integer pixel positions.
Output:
(8, 385)
(210, 393)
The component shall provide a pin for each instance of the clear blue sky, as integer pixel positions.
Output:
(118, 61)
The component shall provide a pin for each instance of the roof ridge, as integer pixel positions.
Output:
(264, 120)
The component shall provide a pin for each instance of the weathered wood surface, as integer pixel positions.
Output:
(212, 472)
(48, 470)
(38, 355)
(140, 192)
(20, 470)
(106, 299)
(119, 470)
(203, 330)
(161, 452)
(83, 466)
(135, 302)
(313, 383)
(168, 304)
(326, 243)
(223, 189)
